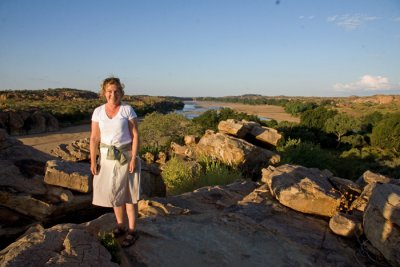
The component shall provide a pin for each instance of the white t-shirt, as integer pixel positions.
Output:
(114, 131)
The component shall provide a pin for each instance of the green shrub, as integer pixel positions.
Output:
(158, 130)
(182, 176)
(111, 244)
(215, 173)
(307, 154)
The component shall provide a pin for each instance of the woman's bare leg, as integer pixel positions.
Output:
(120, 215)
(132, 212)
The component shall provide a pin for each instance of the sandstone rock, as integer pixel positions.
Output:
(302, 189)
(234, 127)
(189, 140)
(344, 185)
(26, 204)
(60, 245)
(236, 152)
(369, 177)
(75, 176)
(265, 134)
(35, 123)
(361, 202)
(152, 184)
(382, 221)
(346, 225)
(161, 158)
(148, 157)
(178, 149)
(16, 122)
(79, 150)
(253, 231)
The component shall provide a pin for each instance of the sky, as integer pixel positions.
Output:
(192, 48)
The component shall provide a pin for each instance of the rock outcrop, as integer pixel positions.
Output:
(236, 225)
(79, 150)
(303, 189)
(24, 122)
(235, 152)
(382, 221)
(75, 176)
(251, 130)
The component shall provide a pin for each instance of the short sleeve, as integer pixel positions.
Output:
(96, 114)
(131, 113)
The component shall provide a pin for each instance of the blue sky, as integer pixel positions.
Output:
(203, 47)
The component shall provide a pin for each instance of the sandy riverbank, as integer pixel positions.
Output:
(45, 142)
(266, 111)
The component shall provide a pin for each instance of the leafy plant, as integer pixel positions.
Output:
(111, 244)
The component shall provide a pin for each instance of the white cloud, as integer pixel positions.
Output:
(366, 83)
(307, 17)
(350, 22)
(396, 19)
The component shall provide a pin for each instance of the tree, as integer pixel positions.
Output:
(340, 125)
(158, 130)
(386, 134)
(316, 118)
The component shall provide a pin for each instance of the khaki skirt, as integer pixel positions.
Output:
(114, 186)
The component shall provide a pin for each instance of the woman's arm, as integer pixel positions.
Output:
(94, 145)
(133, 129)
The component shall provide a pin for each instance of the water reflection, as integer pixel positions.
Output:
(192, 110)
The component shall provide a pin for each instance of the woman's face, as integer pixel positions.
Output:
(113, 94)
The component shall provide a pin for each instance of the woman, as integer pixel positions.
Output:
(116, 182)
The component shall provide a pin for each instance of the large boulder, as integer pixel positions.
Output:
(250, 130)
(369, 177)
(75, 176)
(265, 134)
(382, 221)
(151, 182)
(307, 190)
(235, 152)
(61, 245)
(236, 128)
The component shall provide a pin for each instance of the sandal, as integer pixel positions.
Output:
(118, 231)
(129, 239)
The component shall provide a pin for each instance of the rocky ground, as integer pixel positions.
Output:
(292, 215)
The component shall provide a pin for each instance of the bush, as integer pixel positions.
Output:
(310, 155)
(111, 244)
(182, 176)
(159, 130)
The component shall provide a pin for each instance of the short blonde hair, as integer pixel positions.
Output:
(111, 80)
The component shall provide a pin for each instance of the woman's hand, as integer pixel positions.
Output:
(93, 168)
(132, 165)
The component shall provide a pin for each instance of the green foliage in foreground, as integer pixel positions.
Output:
(182, 176)
(111, 244)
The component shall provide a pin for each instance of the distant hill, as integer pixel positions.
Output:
(48, 94)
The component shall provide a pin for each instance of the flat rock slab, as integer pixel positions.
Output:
(72, 175)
